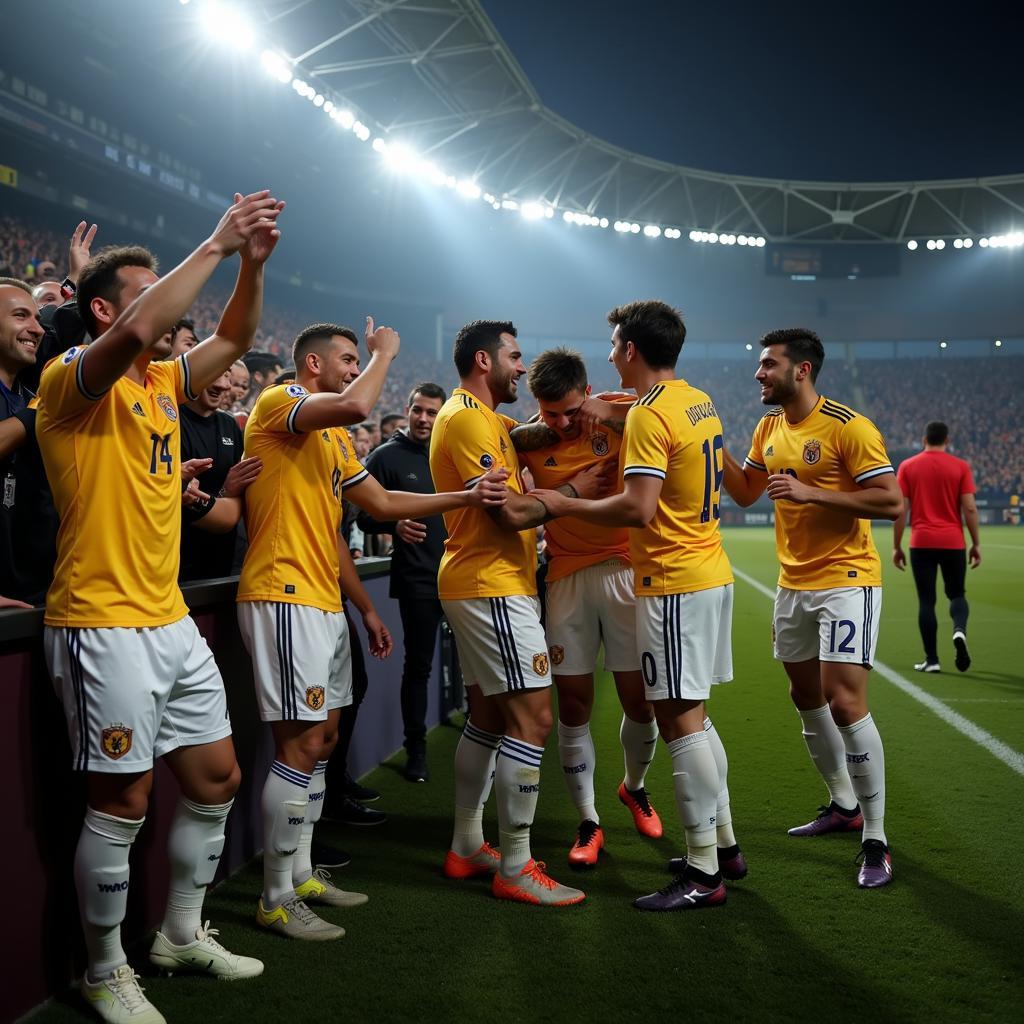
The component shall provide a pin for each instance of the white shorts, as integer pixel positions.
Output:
(301, 659)
(831, 625)
(500, 642)
(685, 642)
(589, 606)
(131, 695)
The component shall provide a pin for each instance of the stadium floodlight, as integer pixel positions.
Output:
(930, 243)
(760, 242)
(712, 236)
(943, 345)
(694, 236)
(399, 157)
(532, 210)
(509, 204)
(360, 131)
(226, 25)
(999, 344)
(318, 100)
(276, 66)
(603, 222)
(469, 189)
(569, 217)
(912, 244)
(968, 242)
(328, 107)
(652, 231)
(346, 119)
(940, 244)
(983, 242)
(634, 229)
(380, 146)
(958, 243)
(749, 347)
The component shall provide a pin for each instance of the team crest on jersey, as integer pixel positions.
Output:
(314, 697)
(770, 450)
(69, 356)
(295, 390)
(168, 407)
(343, 447)
(557, 654)
(599, 444)
(116, 740)
(504, 447)
(325, 436)
(812, 452)
(540, 664)
(487, 461)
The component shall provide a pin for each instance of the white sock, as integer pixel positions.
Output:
(516, 786)
(865, 759)
(723, 818)
(576, 749)
(474, 776)
(302, 864)
(193, 848)
(825, 745)
(101, 877)
(695, 775)
(284, 813)
(639, 741)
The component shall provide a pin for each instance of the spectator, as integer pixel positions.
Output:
(390, 423)
(209, 534)
(361, 441)
(403, 463)
(239, 375)
(373, 429)
(263, 369)
(47, 294)
(183, 337)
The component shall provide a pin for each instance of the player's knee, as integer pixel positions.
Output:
(848, 706)
(221, 784)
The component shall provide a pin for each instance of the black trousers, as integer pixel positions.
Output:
(925, 564)
(421, 618)
(338, 764)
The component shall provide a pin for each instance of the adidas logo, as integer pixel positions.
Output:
(550, 461)
(138, 410)
(770, 450)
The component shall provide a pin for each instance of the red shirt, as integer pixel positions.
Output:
(934, 481)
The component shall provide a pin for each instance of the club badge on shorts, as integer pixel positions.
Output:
(116, 740)
(540, 664)
(557, 654)
(812, 452)
(314, 697)
(599, 444)
(167, 406)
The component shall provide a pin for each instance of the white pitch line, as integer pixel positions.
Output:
(996, 747)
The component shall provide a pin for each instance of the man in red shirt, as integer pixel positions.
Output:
(939, 492)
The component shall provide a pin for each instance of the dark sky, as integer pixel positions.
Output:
(813, 91)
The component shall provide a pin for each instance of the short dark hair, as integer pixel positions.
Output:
(936, 432)
(655, 328)
(802, 346)
(100, 280)
(391, 417)
(186, 323)
(286, 376)
(13, 282)
(315, 336)
(479, 336)
(553, 374)
(260, 361)
(428, 390)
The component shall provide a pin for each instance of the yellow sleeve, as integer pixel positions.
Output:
(277, 406)
(184, 379)
(647, 443)
(863, 450)
(174, 376)
(353, 471)
(472, 444)
(755, 457)
(62, 390)
(510, 424)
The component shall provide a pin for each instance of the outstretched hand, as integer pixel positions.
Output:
(383, 341)
(257, 212)
(80, 250)
(240, 475)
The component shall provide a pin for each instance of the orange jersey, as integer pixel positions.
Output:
(114, 468)
(293, 508)
(674, 433)
(573, 543)
(481, 558)
(836, 449)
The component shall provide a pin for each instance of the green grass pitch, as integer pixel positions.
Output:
(796, 939)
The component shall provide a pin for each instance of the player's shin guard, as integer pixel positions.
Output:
(639, 741)
(695, 775)
(576, 749)
(284, 813)
(825, 745)
(302, 865)
(101, 877)
(723, 819)
(474, 776)
(866, 760)
(194, 847)
(516, 786)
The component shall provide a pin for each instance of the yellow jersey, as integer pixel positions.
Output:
(674, 433)
(293, 508)
(573, 543)
(836, 449)
(481, 558)
(113, 462)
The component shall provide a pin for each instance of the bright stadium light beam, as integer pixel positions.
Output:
(469, 189)
(532, 211)
(227, 25)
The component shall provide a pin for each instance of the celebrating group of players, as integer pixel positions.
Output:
(627, 488)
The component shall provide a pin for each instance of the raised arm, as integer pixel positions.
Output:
(355, 405)
(367, 493)
(161, 305)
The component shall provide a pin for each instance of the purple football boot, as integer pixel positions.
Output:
(731, 863)
(876, 866)
(831, 819)
(689, 891)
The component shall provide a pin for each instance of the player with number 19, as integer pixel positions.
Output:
(826, 468)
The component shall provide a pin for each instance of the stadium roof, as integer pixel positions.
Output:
(436, 76)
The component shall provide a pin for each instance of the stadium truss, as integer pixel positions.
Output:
(436, 76)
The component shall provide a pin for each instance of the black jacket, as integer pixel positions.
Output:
(401, 464)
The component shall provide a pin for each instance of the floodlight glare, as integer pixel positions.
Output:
(943, 344)
(346, 119)
(318, 100)
(940, 244)
(999, 344)
(652, 231)
(712, 236)
(912, 244)
(379, 146)
(509, 204)
(328, 107)
(968, 242)
(604, 222)
(694, 236)
(749, 347)
(983, 242)
(760, 242)
(469, 189)
(930, 243)
(532, 211)
(958, 243)
(226, 25)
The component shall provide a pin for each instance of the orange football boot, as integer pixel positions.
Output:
(484, 862)
(532, 885)
(589, 843)
(645, 817)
